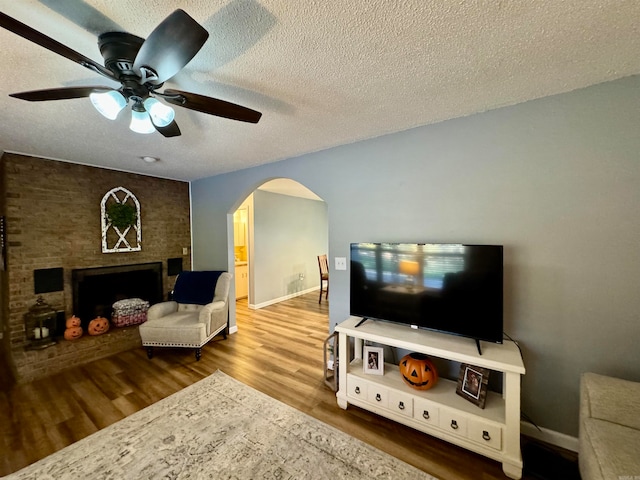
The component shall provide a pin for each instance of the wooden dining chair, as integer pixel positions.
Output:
(323, 265)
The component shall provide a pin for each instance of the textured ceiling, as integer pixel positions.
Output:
(323, 73)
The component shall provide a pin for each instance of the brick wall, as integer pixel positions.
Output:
(52, 214)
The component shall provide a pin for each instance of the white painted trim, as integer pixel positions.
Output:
(233, 329)
(282, 299)
(550, 436)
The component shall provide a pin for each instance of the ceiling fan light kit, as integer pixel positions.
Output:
(141, 66)
(161, 114)
(140, 121)
(109, 104)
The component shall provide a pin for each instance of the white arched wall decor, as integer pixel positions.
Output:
(116, 240)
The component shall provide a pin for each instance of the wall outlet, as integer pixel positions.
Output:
(185, 250)
(341, 263)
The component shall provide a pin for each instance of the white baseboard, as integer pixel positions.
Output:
(233, 329)
(550, 436)
(282, 299)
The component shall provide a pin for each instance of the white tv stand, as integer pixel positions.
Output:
(493, 431)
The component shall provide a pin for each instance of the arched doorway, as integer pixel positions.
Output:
(278, 232)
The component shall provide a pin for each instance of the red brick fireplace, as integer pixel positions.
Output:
(52, 220)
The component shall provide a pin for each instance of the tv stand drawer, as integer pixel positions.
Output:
(485, 434)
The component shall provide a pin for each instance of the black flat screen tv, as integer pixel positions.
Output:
(450, 288)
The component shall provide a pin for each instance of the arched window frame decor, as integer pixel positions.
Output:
(129, 239)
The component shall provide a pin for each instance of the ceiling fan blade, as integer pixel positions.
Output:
(170, 130)
(170, 46)
(59, 93)
(49, 43)
(212, 106)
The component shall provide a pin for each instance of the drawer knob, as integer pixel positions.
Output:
(401, 405)
(454, 424)
(358, 390)
(378, 397)
(425, 414)
(486, 436)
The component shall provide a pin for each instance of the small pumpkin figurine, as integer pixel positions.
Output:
(418, 371)
(74, 328)
(98, 326)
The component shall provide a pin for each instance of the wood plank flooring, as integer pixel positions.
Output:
(277, 350)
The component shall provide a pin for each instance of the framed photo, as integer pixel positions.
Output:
(373, 360)
(472, 384)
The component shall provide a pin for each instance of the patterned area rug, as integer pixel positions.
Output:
(219, 428)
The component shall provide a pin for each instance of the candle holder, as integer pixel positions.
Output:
(40, 325)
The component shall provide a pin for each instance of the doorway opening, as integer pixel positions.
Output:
(279, 230)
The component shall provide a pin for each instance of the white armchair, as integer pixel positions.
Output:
(198, 312)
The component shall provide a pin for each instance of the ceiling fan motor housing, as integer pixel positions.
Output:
(119, 50)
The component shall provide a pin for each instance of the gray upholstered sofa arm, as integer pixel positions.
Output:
(611, 399)
(161, 309)
(609, 436)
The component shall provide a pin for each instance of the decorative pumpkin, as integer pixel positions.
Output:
(73, 321)
(418, 372)
(74, 329)
(98, 326)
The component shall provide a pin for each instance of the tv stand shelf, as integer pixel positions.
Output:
(493, 431)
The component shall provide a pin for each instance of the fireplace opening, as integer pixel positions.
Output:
(95, 290)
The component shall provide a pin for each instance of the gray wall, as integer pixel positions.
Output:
(556, 181)
(288, 235)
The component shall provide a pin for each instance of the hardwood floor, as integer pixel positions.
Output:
(277, 350)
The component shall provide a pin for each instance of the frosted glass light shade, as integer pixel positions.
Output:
(161, 114)
(140, 122)
(108, 104)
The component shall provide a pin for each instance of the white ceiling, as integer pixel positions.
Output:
(323, 73)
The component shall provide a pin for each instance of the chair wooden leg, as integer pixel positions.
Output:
(149, 352)
(326, 290)
(198, 353)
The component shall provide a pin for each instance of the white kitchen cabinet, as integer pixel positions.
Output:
(242, 280)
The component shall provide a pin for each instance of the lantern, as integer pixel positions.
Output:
(40, 324)
(418, 372)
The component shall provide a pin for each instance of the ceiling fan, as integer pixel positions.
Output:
(141, 66)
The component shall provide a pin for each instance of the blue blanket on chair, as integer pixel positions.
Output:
(196, 287)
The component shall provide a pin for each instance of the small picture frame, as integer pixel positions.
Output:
(373, 360)
(472, 384)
